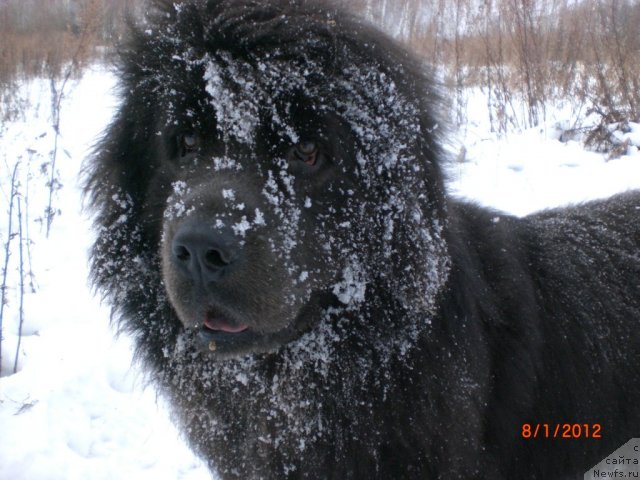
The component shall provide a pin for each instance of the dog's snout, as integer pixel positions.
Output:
(203, 253)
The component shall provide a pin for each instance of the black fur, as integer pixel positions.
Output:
(388, 331)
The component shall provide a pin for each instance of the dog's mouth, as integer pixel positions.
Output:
(217, 323)
(224, 335)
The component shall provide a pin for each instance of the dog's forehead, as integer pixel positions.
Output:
(254, 80)
(247, 91)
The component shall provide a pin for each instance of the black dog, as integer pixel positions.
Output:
(273, 231)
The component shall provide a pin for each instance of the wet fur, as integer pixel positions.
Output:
(472, 322)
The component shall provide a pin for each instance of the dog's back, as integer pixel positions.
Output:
(567, 334)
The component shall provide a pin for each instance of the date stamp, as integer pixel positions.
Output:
(563, 431)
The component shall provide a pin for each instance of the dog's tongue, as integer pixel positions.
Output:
(221, 325)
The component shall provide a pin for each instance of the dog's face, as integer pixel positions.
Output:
(290, 178)
(264, 213)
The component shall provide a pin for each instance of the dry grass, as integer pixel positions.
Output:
(534, 50)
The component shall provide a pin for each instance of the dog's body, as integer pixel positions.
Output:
(557, 294)
(274, 233)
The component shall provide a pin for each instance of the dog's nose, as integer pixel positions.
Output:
(204, 253)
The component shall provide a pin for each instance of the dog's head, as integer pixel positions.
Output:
(281, 159)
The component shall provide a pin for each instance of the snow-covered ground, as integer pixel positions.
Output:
(533, 170)
(76, 408)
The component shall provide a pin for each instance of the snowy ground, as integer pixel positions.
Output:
(76, 409)
(533, 170)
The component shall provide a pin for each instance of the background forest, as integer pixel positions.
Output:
(535, 51)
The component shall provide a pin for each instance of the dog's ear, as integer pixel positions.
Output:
(421, 264)
(120, 162)
(123, 260)
(418, 260)
(406, 199)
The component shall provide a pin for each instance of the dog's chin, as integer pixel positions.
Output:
(227, 345)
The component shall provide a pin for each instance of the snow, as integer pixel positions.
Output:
(351, 289)
(533, 170)
(239, 118)
(241, 227)
(175, 206)
(77, 408)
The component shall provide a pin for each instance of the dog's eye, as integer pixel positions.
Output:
(307, 152)
(188, 142)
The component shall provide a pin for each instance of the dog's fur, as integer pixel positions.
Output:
(389, 331)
